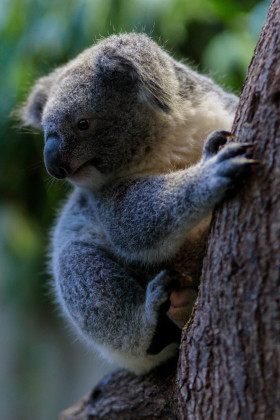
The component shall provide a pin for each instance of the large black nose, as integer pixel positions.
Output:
(54, 162)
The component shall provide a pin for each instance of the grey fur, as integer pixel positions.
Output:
(141, 186)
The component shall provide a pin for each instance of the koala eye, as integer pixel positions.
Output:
(83, 125)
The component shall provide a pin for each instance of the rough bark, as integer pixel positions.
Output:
(229, 364)
(124, 396)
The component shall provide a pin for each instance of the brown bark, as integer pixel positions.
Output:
(229, 364)
(124, 396)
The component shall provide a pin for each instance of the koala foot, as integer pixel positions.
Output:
(157, 304)
(159, 291)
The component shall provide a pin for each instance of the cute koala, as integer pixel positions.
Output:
(126, 124)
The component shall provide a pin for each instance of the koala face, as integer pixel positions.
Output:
(102, 110)
(88, 121)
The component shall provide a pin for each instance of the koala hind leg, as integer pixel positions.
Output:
(111, 309)
(158, 300)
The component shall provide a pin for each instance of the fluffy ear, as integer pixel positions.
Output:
(31, 112)
(125, 74)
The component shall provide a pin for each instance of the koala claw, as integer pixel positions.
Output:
(225, 133)
(236, 167)
(232, 150)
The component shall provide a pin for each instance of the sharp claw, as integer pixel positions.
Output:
(254, 161)
(247, 145)
(227, 133)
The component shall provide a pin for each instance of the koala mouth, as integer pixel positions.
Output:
(92, 162)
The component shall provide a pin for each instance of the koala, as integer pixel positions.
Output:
(130, 128)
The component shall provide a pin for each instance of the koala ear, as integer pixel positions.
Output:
(154, 95)
(31, 112)
(123, 73)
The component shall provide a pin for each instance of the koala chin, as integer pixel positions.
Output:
(130, 128)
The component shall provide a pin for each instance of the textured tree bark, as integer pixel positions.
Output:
(229, 364)
(124, 396)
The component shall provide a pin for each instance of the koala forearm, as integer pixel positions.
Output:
(145, 216)
(142, 217)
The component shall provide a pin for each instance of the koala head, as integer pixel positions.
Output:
(104, 109)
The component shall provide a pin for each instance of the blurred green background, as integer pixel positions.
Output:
(43, 368)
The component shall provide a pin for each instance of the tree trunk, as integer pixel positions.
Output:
(229, 364)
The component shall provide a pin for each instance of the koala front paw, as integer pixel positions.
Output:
(225, 167)
(232, 161)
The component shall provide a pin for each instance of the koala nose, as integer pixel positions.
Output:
(53, 159)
